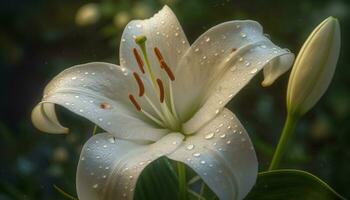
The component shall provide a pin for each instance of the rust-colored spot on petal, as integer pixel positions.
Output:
(233, 50)
(105, 105)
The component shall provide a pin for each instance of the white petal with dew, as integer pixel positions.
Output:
(98, 92)
(162, 31)
(109, 168)
(219, 64)
(222, 154)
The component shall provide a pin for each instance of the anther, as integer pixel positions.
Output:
(138, 60)
(134, 102)
(167, 69)
(140, 84)
(161, 90)
(158, 54)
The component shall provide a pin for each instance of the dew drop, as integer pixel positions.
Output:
(243, 35)
(95, 186)
(131, 177)
(196, 50)
(253, 71)
(247, 64)
(111, 140)
(176, 34)
(203, 162)
(190, 147)
(204, 57)
(196, 154)
(223, 135)
(228, 142)
(209, 136)
(208, 39)
(74, 77)
(82, 158)
(105, 146)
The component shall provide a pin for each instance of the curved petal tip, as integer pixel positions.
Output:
(276, 67)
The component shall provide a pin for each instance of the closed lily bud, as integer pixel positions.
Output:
(314, 67)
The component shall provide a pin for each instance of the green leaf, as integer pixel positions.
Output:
(157, 181)
(291, 184)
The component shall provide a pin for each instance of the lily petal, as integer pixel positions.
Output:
(162, 31)
(109, 168)
(222, 155)
(98, 92)
(219, 64)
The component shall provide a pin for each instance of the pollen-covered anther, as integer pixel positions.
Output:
(167, 69)
(139, 60)
(161, 90)
(158, 54)
(139, 83)
(134, 102)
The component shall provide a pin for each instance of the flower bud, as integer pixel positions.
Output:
(314, 67)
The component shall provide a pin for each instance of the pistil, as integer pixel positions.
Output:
(167, 116)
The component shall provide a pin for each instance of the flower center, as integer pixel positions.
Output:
(165, 116)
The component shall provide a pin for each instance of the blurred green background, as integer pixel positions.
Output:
(40, 38)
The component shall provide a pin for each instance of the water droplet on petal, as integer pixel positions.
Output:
(196, 50)
(190, 146)
(95, 186)
(208, 39)
(253, 71)
(223, 135)
(131, 177)
(111, 140)
(196, 154)
(209, 136)
(203, 162)
(228, 142)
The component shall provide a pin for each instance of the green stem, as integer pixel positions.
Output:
(181, 170)
(288, 129)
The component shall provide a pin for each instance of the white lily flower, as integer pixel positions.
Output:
(166, 99)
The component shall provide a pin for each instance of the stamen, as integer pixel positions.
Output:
(158, 54)
(167, 69)
(134, 102)
(140, 84)
(139, 60)
(161, 90)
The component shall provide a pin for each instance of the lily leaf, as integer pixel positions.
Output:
(290, 184)
(157, 181)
